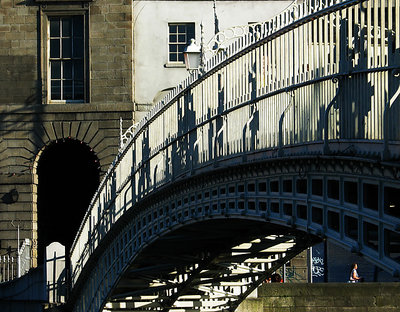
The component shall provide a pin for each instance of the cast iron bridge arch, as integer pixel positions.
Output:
(287, 136)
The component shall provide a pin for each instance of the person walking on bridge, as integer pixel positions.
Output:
(354, 278)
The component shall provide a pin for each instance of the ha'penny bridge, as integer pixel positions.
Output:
(287, 135)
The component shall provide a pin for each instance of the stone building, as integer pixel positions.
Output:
(69, 71)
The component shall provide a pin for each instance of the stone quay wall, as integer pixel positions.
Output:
(330, 297)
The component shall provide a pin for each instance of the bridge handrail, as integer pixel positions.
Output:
(131, 132)
(248, 45)
(220, 41)
(293, 16)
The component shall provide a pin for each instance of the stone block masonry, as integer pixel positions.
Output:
(29, 122)
(321, 297)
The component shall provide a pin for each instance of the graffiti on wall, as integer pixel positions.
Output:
(318, 265)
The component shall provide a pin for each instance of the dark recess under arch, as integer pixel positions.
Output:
(68, 173)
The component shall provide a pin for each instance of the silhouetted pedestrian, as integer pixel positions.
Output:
(276, 278)
(354, 277)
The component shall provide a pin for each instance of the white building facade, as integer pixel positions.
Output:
(162, 29)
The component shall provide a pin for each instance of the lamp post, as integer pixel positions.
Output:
(194, 55)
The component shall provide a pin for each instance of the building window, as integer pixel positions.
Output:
(67, 58)
(179, 38)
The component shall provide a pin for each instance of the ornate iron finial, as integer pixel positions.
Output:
(222, 39)
(201, 47)
(216, 23)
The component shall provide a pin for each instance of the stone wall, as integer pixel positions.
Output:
(321, 297)
(111, 51)
(29, 122)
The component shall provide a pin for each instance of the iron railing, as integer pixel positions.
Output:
(320, 72)
(14, 267)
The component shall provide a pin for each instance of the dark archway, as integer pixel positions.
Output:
(68, 173)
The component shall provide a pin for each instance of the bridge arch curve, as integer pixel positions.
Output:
(299, 201)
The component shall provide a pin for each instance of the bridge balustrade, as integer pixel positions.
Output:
(320, 78)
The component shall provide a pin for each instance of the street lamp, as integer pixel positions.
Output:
(192, 56)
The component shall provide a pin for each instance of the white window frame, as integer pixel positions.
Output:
(177, 62)
(46, 16)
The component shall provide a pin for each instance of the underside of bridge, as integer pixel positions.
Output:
(210, 265)
(206, 242)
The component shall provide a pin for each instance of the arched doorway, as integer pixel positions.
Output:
(68, 173)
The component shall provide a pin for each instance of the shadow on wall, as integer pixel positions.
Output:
(21, 120)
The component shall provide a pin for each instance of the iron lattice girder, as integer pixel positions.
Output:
(320, 166)
(186, 285)
(215, 283)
